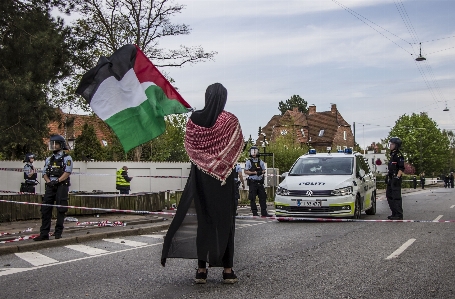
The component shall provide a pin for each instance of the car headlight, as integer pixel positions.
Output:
(342, 191)
(282, 191)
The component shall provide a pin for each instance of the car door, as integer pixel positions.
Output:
(368, 181)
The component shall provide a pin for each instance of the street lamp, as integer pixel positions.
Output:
(420, 58)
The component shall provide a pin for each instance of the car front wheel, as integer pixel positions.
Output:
(357, 208)
(372, 210)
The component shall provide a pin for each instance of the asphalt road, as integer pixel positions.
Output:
(272, 260)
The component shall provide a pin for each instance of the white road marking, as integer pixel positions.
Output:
(400, 250)
(452, 206)
(153, 236)
(87, 249)
(12, 271)
(437, 218)
(126, 242)
(248, 220)
(35, 258)
(17, 270)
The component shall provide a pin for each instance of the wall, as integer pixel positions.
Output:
(371, 158)
(89, 176)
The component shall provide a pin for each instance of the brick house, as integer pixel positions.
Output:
(70, 127)
(315, 129)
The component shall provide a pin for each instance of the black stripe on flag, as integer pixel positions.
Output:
(117, 65)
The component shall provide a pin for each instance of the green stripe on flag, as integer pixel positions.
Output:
(136, 125)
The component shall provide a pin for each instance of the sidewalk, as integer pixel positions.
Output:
(73, 234)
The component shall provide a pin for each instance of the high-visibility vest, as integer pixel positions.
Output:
(121, 182)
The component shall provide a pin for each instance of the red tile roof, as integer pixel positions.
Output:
(307, 127)
(70, 126)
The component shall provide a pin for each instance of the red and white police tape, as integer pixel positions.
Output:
(238, 217)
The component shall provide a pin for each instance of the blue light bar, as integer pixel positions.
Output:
(312, 151)
(340, 151)
(348, 150)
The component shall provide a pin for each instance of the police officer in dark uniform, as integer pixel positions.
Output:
(396, 170)
(29, 174)
(255, 169)
(57, 171)
(422, 180)
(414, 182)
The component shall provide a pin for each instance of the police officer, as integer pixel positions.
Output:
(422, 180)
(57, 171)
(29, 174)
(396, 170)
(255, 169)
(414, 182)
(123, 181)
(238, 179)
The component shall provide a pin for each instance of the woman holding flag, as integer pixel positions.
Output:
(204, 224)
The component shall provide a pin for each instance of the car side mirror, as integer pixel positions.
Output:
(284, 174)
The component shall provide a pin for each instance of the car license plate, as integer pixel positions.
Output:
(308, 203)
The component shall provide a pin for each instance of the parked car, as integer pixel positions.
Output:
(327, 185)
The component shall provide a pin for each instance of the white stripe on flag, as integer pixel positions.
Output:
(113, 96)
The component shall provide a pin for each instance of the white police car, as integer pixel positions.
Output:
(327, 185)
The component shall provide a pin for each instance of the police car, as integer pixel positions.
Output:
(327, 185)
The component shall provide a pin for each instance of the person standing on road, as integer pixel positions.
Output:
(255, 169)
(422, 180)
(123, 181)
(414, 182)
(238, 179)
(30, 174)
(214, 142)
(451, 179)
(58, 168)
(395, 171)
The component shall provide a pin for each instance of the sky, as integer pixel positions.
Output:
(355, 54)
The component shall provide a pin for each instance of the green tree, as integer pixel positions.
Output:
(423, 144)
(114, 150)
(87, 145)
(169, 146)
(451, 155)
(294, 102)
(245, 155)
(35, 54)
(108, 25)
(286, 152)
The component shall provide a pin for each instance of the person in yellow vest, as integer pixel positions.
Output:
(123, 180)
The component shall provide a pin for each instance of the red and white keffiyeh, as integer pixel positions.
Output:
(215, 150)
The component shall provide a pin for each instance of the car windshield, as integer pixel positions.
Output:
(323, 166)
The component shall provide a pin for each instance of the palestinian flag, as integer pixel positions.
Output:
(129, 93)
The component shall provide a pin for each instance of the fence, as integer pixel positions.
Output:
(89, 176)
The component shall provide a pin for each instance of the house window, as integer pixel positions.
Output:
(344, 135)
(284, 132)
(338, 147)
(303, 132)
(321, 133)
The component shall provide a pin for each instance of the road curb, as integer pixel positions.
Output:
(89, 236)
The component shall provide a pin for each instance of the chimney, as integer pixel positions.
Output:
(312, 110)
(334, 108)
